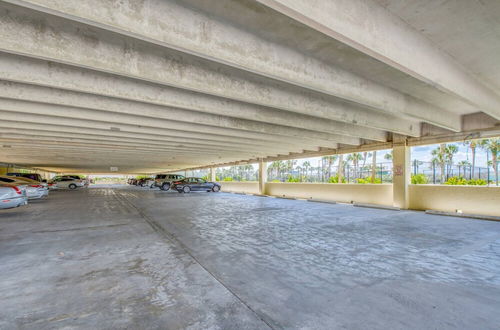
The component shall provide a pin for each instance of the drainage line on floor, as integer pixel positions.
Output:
(160, 230)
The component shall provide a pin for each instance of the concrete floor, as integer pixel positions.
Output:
(133, 258)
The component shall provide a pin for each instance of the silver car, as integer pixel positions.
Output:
(34, 189)
(12, 195)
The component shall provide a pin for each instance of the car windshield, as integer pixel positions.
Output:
(7, 180)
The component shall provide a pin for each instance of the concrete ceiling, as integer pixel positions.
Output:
(155, 85)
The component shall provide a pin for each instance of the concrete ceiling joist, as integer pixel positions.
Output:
(11, 132)
(109, 143)
(88, 127)
(61, 115)
(223, 114)
(138, 60)
(220, 41)
(72, 100)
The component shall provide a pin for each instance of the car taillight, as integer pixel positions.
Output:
(36, 186)
(18, 191)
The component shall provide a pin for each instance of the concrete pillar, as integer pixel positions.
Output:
(374, 166)
(213, 177)
(401, 174)
(262, 176)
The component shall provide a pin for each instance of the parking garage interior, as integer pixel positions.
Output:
(131, 89)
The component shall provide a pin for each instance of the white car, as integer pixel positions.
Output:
(12, 195)
(66, 183)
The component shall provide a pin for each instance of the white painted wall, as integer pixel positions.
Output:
(472, 200)
(347, 193)
(249, 187)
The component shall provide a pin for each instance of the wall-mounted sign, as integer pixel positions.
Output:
(397, 170)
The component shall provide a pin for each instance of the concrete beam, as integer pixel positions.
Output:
(62, 113)
(284, 125)
(203, 105)
(27, 33)
(68, 125)
(220, 41)
(170, 147)
(8, 131)
(389, 39)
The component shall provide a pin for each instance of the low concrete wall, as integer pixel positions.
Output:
(361, 193)
(469, 199)
(249, 187)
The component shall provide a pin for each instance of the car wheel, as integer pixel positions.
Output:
(186, 189)
(165, 186)
(72, 186)
(215, 188)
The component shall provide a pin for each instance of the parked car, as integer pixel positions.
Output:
(164, 181)
(12, 195)
(195, 184)
(32, 176)
(143, 182)
(61, 182)
(34, 189)
(84, 180)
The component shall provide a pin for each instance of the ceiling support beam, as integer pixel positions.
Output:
(106, 52)
(218, 40)
(224, 114)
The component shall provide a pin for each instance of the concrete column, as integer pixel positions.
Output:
(374, 165)
(213, 177)
(262, 176)
(401, 174)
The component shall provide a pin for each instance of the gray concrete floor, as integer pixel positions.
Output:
(128, 257)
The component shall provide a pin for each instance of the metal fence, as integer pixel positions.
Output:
(434, 173)
(439, 174)
(351, 173)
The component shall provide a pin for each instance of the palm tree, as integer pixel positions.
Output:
(289, 165)
(450, 151)
(365, 156)
(329, 161)
(472, 144)
(493, 146)
(355, 157)
(462, 164)
(388, 156)
(277, 167)
(439, 158)
(307, 166)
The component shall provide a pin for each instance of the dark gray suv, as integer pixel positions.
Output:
(164, 181)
